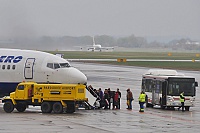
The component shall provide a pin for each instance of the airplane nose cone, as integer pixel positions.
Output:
(77, 76)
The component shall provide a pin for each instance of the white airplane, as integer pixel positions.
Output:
(99, 47)
(27, 65)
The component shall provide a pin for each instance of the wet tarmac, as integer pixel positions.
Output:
(108, 76)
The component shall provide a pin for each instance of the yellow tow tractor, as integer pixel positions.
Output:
(51, 97)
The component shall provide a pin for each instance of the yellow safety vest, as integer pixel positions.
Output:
(182, 99)
(142, 97)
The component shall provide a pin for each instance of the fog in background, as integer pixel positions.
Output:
(46, 23)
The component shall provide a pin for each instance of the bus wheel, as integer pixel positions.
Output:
(46, 107)
(187, 108)
(70, 108)
(162, 107)
(21, 107)
(57, 108)
(8, 107)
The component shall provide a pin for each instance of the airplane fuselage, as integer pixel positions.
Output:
(26, 65)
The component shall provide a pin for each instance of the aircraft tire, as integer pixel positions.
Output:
(57, 108)
(46, 107)
(8, 107)
(21, 107)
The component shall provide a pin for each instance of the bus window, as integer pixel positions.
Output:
(147, 85)
(144, 85)
(170, 90)
(178, 85)
(158, 87)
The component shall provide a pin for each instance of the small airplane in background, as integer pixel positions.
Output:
(99, 47)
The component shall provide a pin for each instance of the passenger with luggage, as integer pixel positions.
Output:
(129, 97)
(116, 101)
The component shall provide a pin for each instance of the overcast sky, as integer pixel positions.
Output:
(100, 17)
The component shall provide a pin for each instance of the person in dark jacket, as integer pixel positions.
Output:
(101, 97)
(129, 97)
(119, 97)
(109, 97)
(106, 97)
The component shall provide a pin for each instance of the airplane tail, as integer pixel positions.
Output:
(93, 41)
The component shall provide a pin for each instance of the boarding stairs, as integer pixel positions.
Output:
(93, 98)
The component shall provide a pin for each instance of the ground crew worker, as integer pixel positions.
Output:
(129, 97)
(142, 101)
(182, 100)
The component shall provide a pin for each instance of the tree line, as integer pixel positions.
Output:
(64, 42)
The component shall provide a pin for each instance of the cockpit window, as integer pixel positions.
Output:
(62, 65)
(50, 65)
(56, 66)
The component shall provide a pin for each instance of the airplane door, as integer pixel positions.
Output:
(28, 70)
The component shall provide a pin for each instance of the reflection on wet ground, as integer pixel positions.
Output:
(105, 76)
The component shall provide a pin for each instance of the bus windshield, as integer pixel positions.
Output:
(178, 85)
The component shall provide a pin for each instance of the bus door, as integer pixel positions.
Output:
(28, 70)
(164, 93)
(156, 92)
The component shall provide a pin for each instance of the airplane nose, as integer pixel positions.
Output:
(77, 76)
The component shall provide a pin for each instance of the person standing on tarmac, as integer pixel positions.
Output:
(109, 98)
(142, 101)
(182, 100)
(105, 97)
(129, 97)
(101, 97)
(119, 97)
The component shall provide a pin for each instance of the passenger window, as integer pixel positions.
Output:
(8, 67)
(50, 65)
(21, 87)
(13, 67)
(56, 66)
(3, 67)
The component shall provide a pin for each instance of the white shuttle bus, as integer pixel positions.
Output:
(163, 88)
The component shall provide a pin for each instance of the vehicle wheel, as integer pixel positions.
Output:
(57, 108)
(21, 107)
(187, 108)
(162, 107)
(46, 107)
(8, 107)
(70, 108)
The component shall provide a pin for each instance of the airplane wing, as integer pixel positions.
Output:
(107, 48)
(92, 48)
